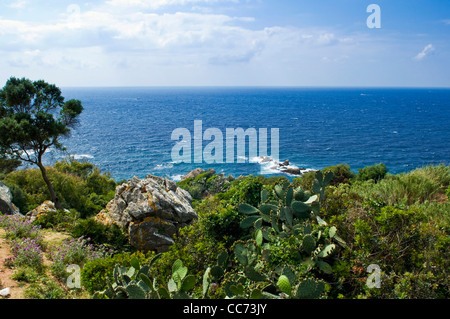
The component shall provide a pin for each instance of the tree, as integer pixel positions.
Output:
(376, 172)
(33, 117)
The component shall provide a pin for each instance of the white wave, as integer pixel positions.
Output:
(270, 166)
(163, 166)
(176, 178)
(82, 156)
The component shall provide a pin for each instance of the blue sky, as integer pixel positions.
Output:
(226, 42)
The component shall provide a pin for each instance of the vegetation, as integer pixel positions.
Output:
(81, 187)
(317, 236)
(28, 127)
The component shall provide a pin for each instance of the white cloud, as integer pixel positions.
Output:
(103, 39)
(19, 4)
(157, 4)
(427, 50)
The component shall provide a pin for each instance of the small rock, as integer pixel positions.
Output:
(5, 292)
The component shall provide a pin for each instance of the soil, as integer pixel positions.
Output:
(17, 289)
(5, 273)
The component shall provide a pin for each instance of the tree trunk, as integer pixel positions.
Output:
(55, 199)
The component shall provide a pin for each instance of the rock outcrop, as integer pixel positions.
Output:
(44, 208)
(152, 210)
(6, 205)
(196, 172)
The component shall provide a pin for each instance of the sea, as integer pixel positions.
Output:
(129, 131)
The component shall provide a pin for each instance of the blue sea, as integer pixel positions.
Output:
(127, 131)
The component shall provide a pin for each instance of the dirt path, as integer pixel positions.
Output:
(6, 273)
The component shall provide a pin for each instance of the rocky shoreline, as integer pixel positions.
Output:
(283, 167)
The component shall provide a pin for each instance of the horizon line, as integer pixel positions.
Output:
(256, 86)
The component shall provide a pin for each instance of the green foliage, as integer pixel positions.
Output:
(136, 283)
(33, 118)
(7, 165)
(59, 220)
(87, 193)
(205, 184)
(243, 190)
(342, 173)
(45, 288)
(94, 274)
(221, 224)
(415, 187)
(375, 172)
(400, 224)
(74, 251)
(288, 218)
(26, 274)
(269, 238)
(110, 236)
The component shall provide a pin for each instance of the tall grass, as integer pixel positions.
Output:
(416, 187)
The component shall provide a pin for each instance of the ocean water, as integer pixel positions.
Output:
(127, 131)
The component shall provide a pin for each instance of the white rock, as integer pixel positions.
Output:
(152, 210)
(5, 292)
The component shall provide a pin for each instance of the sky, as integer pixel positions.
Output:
(325, 43)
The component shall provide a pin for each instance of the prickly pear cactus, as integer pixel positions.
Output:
(309, 244)
(310, 289)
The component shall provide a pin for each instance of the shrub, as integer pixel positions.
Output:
(402, 189)
(17, 227)
(342, 174)
(45, 288)
(74, 186)
(220, 223)
(95, 272)
(59, 220)
(100, 234)
(205, 184)
(73, 251)
(246, 189)
(375, 172)
(26, 274)
(27, 252)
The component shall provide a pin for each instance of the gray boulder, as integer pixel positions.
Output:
(6, 205)
(196, 172)
(152, 210)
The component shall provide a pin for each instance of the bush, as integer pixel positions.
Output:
(17, 227)
(220, 223)
(416, 187)
(60, 220)
(205, 184)
(75, 184)
(45, 288)
(95, 272)
(244, 190)
(375, 172)
(342, 174)
(108, 235)
(74, 251)
(26, 274)
(27, 252)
